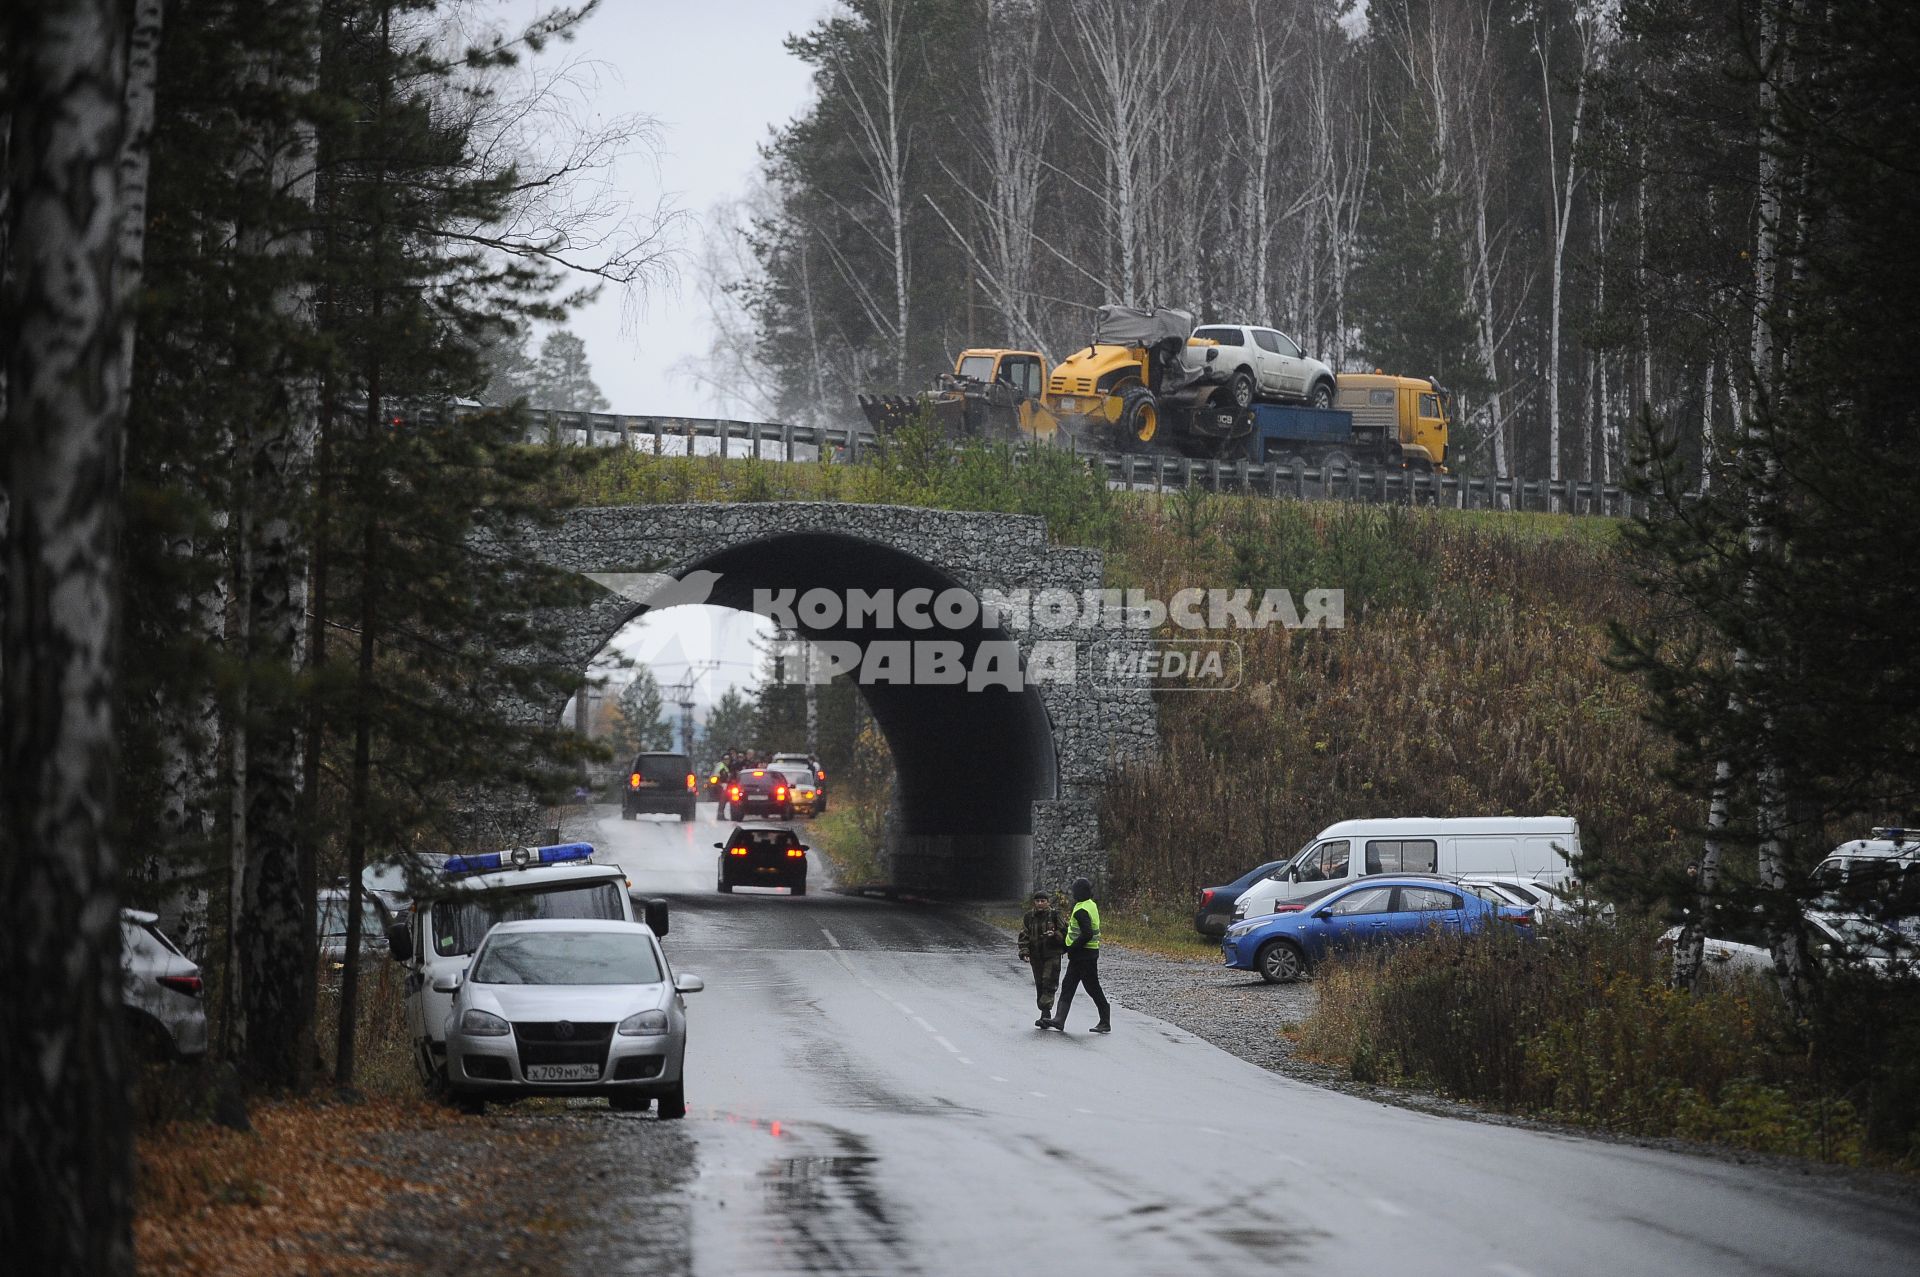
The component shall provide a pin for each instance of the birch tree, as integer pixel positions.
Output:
(70, 270)
(1562, 184)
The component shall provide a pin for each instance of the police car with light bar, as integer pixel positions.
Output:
(449, 919)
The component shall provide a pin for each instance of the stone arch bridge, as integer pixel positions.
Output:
(996, 782)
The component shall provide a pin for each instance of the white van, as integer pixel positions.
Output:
(1535, 848)
(449, 919)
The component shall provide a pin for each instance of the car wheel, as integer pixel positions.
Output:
(1334, 462)
(621, 1102)
(799, 888)
(1240, 390)
(674, 1103)
(724, 887)
(686, 816)
(1280, 962)
(1321, 396)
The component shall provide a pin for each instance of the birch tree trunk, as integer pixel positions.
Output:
(64, 323)
(876, 85)
(1562, 192)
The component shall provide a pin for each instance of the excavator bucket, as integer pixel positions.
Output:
(887, 413)
(947, 412)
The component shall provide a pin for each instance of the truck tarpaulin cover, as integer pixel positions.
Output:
(1131, 326)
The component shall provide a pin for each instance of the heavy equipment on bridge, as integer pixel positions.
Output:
(1145, 383)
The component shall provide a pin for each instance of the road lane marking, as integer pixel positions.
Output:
(1038, 1095)
(1208, 1130)
(1508, 1270)
(1387, 1208)
(1088, 1112)
(829, 936)
(964, 1060)
(943, 1042)
(1286, 1157)
(998, 1078)
(923, 1024)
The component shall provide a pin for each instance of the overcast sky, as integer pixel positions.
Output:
(715, 76)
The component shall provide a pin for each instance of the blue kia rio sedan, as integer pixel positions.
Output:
(1284, 946)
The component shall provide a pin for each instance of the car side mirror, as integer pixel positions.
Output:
(1323, 914)
(447, 983)
(719, 846)
(803, 846)
(400, 942)
(656, 913)
(688, 984)
(1293, 873)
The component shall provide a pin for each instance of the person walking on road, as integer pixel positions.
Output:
(1083, 958)
(1043, 938)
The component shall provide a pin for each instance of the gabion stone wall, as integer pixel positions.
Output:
(1091, 727)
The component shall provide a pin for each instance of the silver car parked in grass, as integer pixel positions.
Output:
(569, 1006)
(160, 990)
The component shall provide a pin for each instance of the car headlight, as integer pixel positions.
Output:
(647, 1024)
(484, 1024)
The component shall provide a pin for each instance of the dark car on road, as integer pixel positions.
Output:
(661, 784)
(763, 858)
(1216, 903)
(757, 791)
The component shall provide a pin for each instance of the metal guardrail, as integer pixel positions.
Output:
(1129, 471)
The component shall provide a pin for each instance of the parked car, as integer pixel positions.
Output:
(1264, 363)
(1837, 939)
(1215, 909)
(785, 762)
(758, 791)
(1537, 847)
(436, 939)
(801, 790)
(1876, 878)
(1285, 946)
(376, 916)
(662, 784)
(762, 858)
(160, 989)
(569, 1007)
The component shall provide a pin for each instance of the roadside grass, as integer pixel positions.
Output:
(382, 1055)
(1583, 1027)
(847, 834)
(1470, 677)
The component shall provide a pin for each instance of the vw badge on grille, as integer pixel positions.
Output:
(563, 1030)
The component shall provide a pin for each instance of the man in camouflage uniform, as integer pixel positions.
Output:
(1042, 941)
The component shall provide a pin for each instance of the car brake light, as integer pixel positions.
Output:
(794, 853)
(187, 984)
(736, 851)
(779, 793)
(633, 781)
(690, 784)
(1206, 897)
(1283, 906)
(733, 793)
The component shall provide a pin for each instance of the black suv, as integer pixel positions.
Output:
(660, 783)
(757, 791)
(763, 858)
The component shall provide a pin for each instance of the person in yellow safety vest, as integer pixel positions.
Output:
(1083, 959)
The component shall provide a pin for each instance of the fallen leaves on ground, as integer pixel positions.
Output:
(298, 1194)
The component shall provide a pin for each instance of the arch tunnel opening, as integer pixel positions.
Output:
(969, 762)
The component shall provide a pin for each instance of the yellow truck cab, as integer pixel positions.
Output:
(1410, 409)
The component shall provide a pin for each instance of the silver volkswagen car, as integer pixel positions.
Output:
(569, 1006)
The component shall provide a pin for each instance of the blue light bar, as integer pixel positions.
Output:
(519, 858)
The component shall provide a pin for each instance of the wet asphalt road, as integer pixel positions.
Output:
(868, 1095)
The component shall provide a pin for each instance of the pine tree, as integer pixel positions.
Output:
(561, 379)
(641, 720)
(731, 724)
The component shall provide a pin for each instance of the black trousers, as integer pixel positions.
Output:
(1083, 969)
